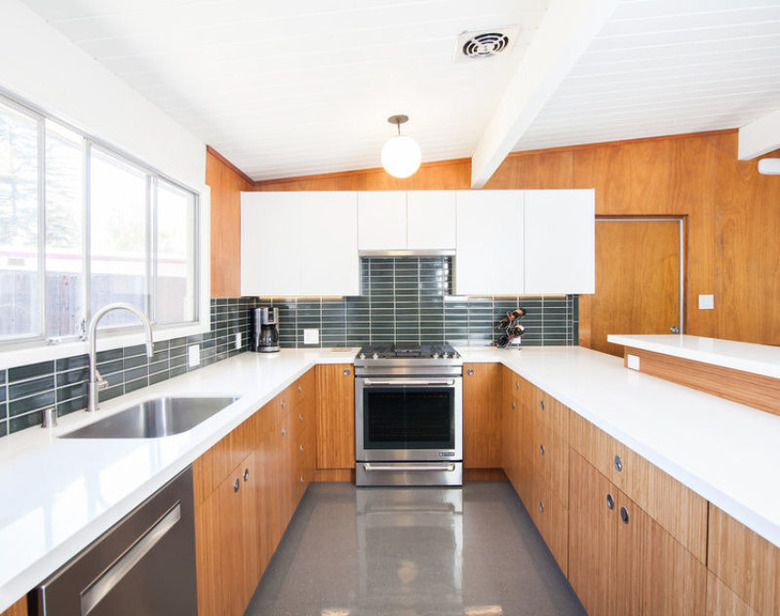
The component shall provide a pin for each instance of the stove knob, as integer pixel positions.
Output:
(444, 355)
(436, 355)
(375, 356)
(362, 356)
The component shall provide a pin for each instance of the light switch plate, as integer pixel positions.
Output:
(706, 302)
(238, 341)
(311, 336)
(193, 355)
(632, 362)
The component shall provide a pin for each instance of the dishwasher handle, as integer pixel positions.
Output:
(114, 574)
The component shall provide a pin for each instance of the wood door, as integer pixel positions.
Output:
(482, 415)
(592, 536)
(637, 281)
(336, 417)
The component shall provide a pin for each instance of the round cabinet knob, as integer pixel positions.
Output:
(284, 432)
(470, 371)
(302, 481)
(541, 449)
(284, 403)
(347, 371)
(300, 417)
(618, 464)
(236, 485)
(624, 515)
(246, 474)
(541, 404)
(300, 388)
(300, 447)
(514, 406)
(517, 385)
(541, 506)
(610, 502)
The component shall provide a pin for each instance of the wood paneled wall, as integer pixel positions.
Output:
(732, 212)
(226, 182)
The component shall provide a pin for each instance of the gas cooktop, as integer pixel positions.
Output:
(408, 351)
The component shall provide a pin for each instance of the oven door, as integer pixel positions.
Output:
(408, 419)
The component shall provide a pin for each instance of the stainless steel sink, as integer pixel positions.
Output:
(155, 418)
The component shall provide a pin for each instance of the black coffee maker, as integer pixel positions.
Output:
(265, 336)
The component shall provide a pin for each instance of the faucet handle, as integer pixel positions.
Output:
(100, 382)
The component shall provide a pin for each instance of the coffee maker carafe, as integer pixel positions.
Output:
(266, 332)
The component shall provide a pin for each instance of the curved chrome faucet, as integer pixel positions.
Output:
(96, 382)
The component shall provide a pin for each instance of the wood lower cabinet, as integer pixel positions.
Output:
(745, 563)
(17, 609)
(722, 601)
(482, 424)
(621, 561)
(335, 417)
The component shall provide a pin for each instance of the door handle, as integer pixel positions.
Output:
(368, 467)
(409, 382)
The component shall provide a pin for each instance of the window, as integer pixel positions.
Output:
(82, 226)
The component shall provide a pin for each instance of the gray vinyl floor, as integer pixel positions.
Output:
(412, 552)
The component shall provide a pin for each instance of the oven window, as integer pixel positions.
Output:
(409, 418)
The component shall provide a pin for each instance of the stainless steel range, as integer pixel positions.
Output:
(409, 416)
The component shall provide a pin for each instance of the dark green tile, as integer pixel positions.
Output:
(30, 371)
(24, 405)
(71, 363)
(28, 388)
(71, 406)
(25, 421)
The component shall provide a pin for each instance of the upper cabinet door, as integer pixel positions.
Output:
(431, 218)
(489, 257)
(382, 220)
(559, 241)
(327, 232)
(270, 259)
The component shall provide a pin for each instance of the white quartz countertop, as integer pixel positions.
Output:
(58, 495)
(758, 358)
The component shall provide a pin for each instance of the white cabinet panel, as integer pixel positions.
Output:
(559, 241)
(270, 263)
(382, 220)
(327, 232)
(489, 242)
(295, 243)
(431, 216)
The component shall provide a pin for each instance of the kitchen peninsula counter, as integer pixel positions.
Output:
(61, 494)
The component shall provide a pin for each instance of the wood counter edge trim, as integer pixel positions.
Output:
(756, 390)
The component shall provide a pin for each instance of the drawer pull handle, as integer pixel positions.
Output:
(246, 474)
(236, 485)
(470, 371)
(618, 464)
(610, 502)
(624, 515)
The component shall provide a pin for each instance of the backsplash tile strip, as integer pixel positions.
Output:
(407, 299)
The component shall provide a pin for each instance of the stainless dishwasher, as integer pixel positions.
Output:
(144, 565)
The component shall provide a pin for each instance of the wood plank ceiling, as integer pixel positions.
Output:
(301, 87)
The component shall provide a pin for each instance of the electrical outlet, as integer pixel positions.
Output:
(238, 341)
(706, 302)
(311, 336)
(632, 361)
(193, 355)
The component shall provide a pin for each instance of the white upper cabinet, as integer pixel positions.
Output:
(382, 220)
(559, 241)
(414, 220)
(431, 216)
(489, 258)
(299, 243)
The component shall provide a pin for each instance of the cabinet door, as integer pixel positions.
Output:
(17, 609)
(270, 259)
(482, 415)
(560, 247)
(489, 242)
(336, 417)
(431, 219)
(382, 220)
(326, 235)
(592, 536)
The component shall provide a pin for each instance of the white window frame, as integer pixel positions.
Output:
(36, 348)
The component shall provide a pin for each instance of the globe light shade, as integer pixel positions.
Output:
(401, 156)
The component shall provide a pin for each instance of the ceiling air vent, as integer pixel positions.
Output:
(485, 44)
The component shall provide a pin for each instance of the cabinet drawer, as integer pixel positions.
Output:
(215, 465)
(551, 461)
(675, 507)
(551, 517)
(746, 562)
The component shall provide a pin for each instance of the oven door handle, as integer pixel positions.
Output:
(408, 382)
(395, 467)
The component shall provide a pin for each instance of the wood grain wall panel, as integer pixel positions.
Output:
(226, 184)
(537, 171)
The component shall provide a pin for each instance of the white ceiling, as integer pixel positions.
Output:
(305, 86)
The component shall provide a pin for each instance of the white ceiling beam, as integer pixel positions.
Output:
(759, 137)
(564, 34)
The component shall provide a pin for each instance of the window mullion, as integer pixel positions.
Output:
(42, 228)
(151, 249)
(87, 246)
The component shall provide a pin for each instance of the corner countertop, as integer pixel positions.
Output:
(61, 494)
(757, 358)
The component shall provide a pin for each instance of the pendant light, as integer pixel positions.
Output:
(401, 155)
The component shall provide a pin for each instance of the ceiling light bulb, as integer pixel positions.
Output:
(401, 156)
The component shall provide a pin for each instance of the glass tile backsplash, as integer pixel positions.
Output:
(405, 300)
(408, 300)
(25, 391)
